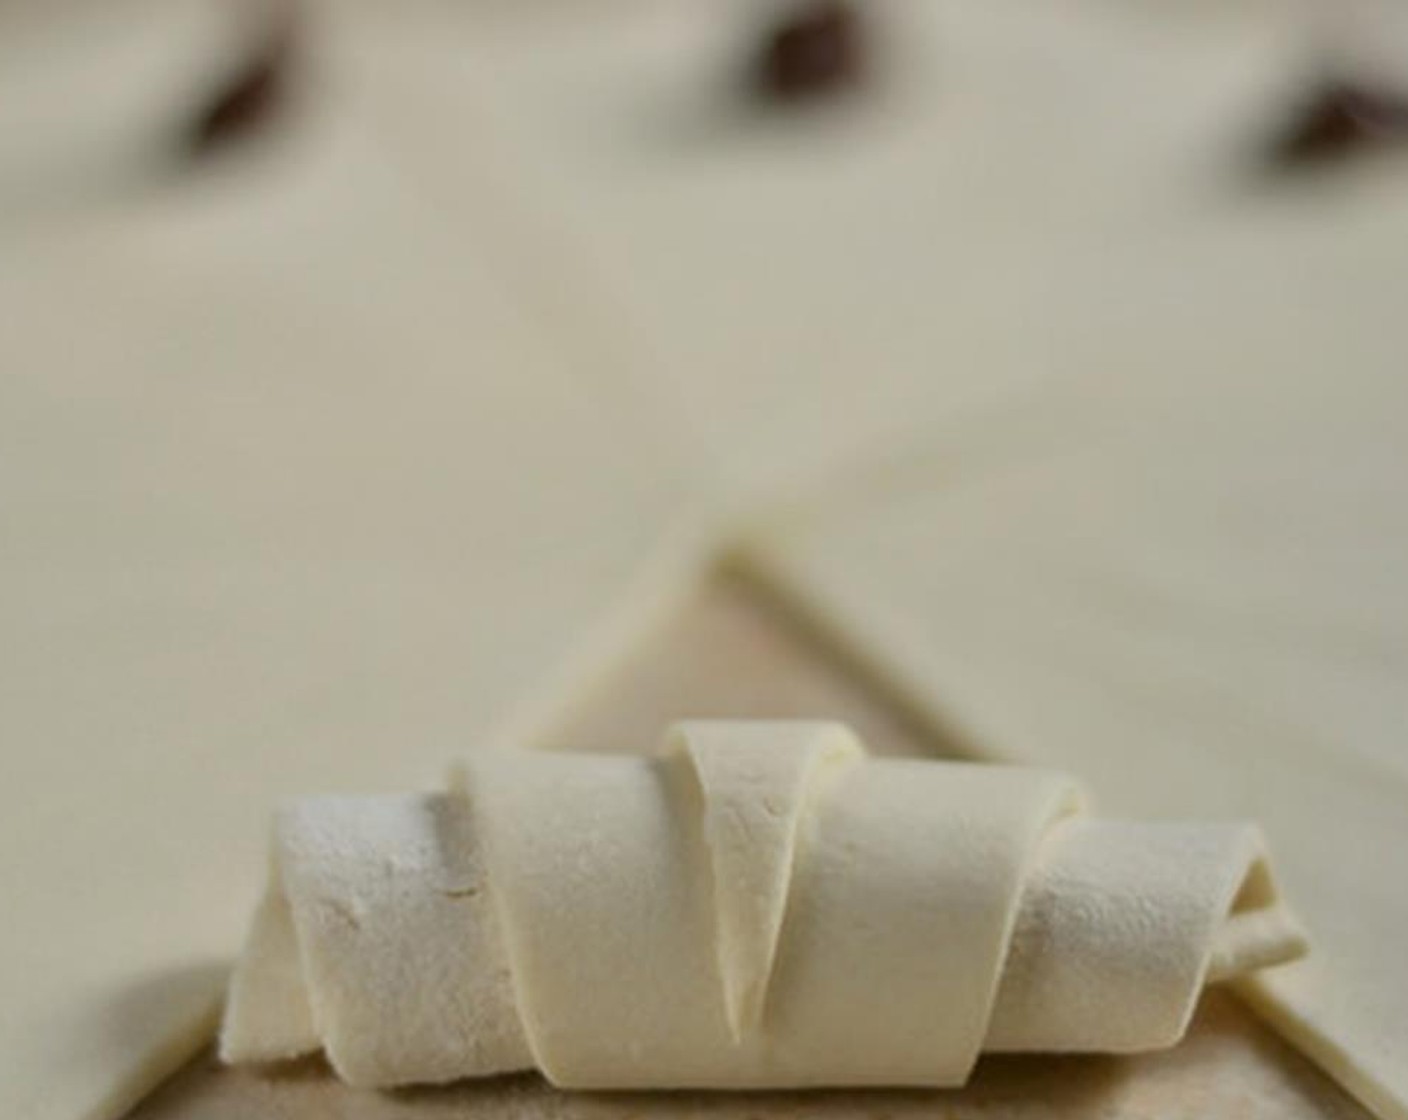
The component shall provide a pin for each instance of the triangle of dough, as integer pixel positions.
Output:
(755, 780)
(268, 1015)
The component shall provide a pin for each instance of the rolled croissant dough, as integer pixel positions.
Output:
(298, 492)
(759, 906)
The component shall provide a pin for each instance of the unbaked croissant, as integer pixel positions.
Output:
(760, 905)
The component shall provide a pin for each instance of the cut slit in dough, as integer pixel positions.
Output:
(759, 906)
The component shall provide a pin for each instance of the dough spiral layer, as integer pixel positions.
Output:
(760, 905)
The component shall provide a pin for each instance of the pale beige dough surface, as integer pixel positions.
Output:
(291, 607)
(727, 653)
(297, 493)
(597, 916)
(94, 92)
(808, 286)
(1188, 587)
(1036, 212)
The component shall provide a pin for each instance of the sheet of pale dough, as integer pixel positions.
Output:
(728, 650)
(297, 493)
(958, 245)
(1184, 578)
(809, 283)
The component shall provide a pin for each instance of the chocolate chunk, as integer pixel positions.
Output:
(1342, 120)
(249, 98)
(818, 50)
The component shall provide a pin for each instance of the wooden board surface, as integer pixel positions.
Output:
(730, 652)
